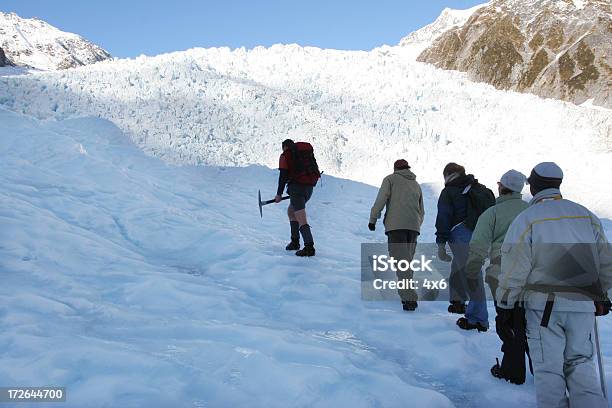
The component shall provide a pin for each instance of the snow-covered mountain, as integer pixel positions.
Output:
(37, 44)
(449, 18)
(553, 48)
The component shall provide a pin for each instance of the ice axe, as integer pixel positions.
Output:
(602, 373)
(262, 203)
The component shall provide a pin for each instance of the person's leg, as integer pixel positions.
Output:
(300, 217)
(513, 362)
(411, 242)
(476, 311)
(295, 230)
(303, 194)
(399, 249)
(454, 281)
(291, 214)
(298, 209)
(304, 228)
(579, 367)
(459, 245)
(546, 347)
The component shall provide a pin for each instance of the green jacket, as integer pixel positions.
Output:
(490, 232)
(402, 196)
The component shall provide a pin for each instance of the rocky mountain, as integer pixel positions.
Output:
(36, 44)
(3, 60)
(553, 48)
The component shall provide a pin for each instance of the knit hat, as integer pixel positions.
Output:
(451, 168)
(400, 164)
(513, 180)
(545, 175)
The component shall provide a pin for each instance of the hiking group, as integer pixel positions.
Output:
(549, 270)
(549, 264)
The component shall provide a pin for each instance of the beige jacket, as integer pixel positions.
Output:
(402, 196)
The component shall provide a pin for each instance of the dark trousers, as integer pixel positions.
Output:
(402, 246)
(514, 345)
(459, 243)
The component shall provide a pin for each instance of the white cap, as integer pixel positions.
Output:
(513, 180)
(549, 170)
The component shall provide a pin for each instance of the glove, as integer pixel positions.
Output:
(503, 324)
(372, 226)
(602, 307)
(442, 255)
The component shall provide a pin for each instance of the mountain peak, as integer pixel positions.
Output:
(34, 43)
(448, 19)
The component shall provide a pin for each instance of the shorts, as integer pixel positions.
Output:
(299, 194)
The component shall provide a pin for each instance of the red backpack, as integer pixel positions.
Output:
(303, 168)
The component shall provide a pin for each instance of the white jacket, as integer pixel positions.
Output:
(535, 252)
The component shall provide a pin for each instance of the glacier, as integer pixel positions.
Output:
(136, 270)
(134, 282)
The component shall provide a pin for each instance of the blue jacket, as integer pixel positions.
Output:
(452, 206)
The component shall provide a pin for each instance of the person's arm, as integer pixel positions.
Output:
(604, 250)
(381, 200)
(481, 241)
(421, 207)
(444, 218)
(283, 176)
(516, 263)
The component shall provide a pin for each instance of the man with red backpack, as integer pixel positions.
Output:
(299, 172)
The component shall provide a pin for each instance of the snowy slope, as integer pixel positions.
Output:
(34, 43)
(136, 283)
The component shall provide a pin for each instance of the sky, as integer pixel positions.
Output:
(129, 28)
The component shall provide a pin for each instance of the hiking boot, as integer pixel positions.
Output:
(294, 245)
(308, 250)
(496, 371)
(464, 324)
(410, 305)
(457, 308)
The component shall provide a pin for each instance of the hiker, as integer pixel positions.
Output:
(486, 243)
(402, 196)
(299, 172)
(460, 204)
(557, 261)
